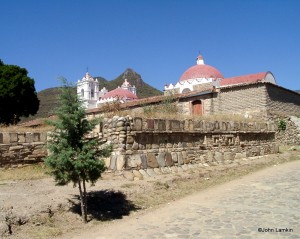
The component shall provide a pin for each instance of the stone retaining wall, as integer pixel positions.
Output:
(156, 143)
(22, 148)
(146, 145)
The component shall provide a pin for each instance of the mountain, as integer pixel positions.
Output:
(143, 89)
(49, 97)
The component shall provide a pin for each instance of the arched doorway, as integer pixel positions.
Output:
(197, 107)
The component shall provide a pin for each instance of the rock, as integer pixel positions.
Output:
(113, 160)
(107, 162)
(120, 162)
(134, 161)
(144, 161)
(174, 157)
(161, 159)
(151, 172)
(180, 158)
(137, 174)
(135, 146)
(145, 175)
(157, 171)
(151, 160)
(168, 159)
(128, 175)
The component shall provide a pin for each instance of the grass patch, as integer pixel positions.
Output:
(30, 172)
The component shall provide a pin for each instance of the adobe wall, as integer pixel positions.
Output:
(280, 100)
(22, 148)
(156, 144)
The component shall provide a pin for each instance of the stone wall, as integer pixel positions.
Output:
(281, 100)
(22, 148)
(143, 145)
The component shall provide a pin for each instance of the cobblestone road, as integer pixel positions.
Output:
(268, 200)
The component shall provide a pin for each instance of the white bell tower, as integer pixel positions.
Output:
(88, 91)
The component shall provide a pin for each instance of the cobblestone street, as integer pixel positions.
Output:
(264, 204)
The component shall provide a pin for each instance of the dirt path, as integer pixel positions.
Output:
(267, 200)
(37, 209)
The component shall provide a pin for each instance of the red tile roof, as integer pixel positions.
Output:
(201, 71)
(244, 79)
(120, 93)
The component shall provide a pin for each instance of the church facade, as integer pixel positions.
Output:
(88, 90)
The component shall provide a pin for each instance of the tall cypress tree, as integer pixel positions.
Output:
(73, 157)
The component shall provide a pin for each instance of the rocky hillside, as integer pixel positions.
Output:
(143, 89)
(49, 97)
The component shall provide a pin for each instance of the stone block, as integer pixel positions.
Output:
(174, 125)
(151, 172)
(137, 174)
(135, 146)
(160, 125)
(18, 147)
(128, 175)
(161, 159)
(36, 137)
(29, 137)
(134, 161)
(180, 158)
(107, 162)
(174, 157)
(143, 172)
(21, 138)
(168, 159)
(43, 136)
(151, 160)
(120, 163)
(150, 124)
(113, 160)
(138, 123)
(144, 161)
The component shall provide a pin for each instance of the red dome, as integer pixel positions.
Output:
(120, 93)
(201, 71)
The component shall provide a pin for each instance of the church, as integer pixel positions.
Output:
(203, 90)
(89, 92)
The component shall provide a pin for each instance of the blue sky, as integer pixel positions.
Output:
(159, 39)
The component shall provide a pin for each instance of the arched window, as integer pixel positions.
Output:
(186, 90)
(82, 92)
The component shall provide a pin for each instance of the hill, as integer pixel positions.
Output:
(143, 89)
(49, 97)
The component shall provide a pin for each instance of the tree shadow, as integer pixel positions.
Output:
(105, 205)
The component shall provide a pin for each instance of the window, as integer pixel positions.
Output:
(82, 92)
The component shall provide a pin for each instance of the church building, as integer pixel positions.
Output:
(88, 91)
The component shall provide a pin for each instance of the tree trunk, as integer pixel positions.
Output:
(82, 203)
(85, 199)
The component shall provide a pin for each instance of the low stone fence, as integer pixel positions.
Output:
(22, 148)
(143, 144)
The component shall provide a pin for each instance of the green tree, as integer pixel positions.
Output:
(74, 157)
(17, 94)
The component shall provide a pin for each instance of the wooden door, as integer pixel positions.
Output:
(197, 107)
